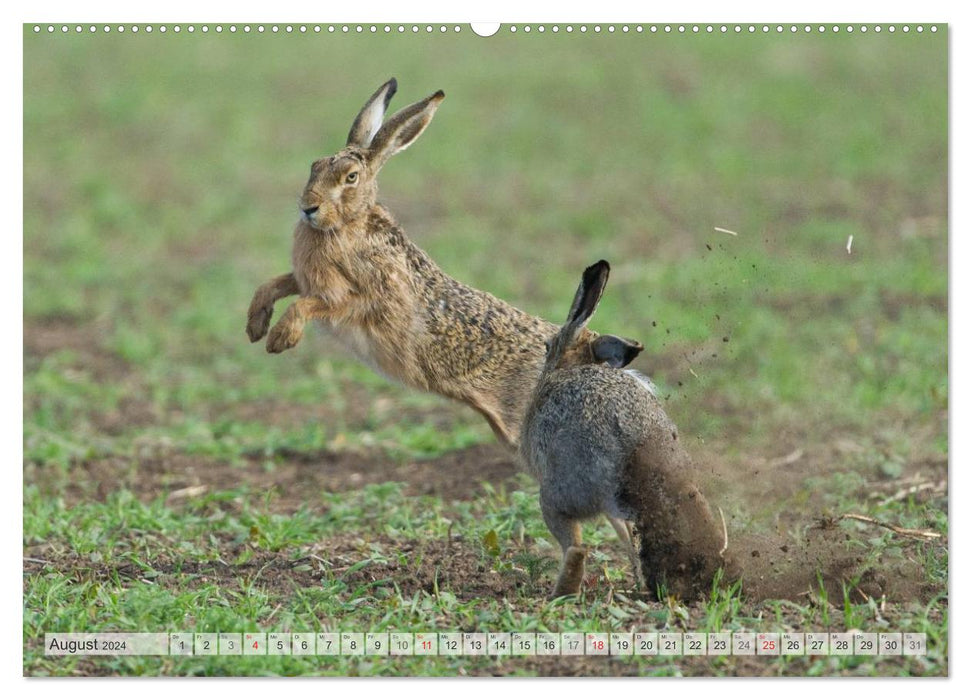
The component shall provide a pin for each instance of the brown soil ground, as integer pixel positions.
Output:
(764, 487)
(451, 564)
(772, 565)
(454, 476)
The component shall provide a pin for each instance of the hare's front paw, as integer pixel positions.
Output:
(283, 336)
(258, 322)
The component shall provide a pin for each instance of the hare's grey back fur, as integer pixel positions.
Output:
(644, 380)
(582, 427)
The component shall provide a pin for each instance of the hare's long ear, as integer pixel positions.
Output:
(401, 130)
(588, 295)
(369, 119)
(584, 304)
(615, 351)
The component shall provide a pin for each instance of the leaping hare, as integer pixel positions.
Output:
(385, 299)
(598, 441)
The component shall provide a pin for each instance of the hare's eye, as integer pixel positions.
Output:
(351, 177)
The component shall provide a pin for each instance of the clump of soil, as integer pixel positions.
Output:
(827, 558)
(684, 543)
(680, 554)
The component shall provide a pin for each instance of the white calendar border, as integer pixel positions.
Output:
(508, 10)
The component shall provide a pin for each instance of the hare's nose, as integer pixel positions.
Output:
(310, 210)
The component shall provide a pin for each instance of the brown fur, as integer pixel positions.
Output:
(386, 300)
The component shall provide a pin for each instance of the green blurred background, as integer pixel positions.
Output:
(161, 176)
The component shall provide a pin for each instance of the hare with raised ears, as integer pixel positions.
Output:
(375, 290)
(385, 299)
(598, 441)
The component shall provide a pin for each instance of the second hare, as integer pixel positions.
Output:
(598, 441)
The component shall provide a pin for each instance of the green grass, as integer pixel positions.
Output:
(160, 178)
(137, 592)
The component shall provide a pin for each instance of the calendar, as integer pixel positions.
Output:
(492, 644)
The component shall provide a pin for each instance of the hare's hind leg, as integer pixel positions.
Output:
(567, 532)
(261, 308)
(507, 438)
(625, 531)
(571, 572)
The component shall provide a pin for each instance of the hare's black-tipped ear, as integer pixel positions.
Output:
(402, 128)
(588, 294)
(615, 351)
(369, 119)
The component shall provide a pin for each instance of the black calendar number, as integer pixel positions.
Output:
(842, 645)
(694, 645)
